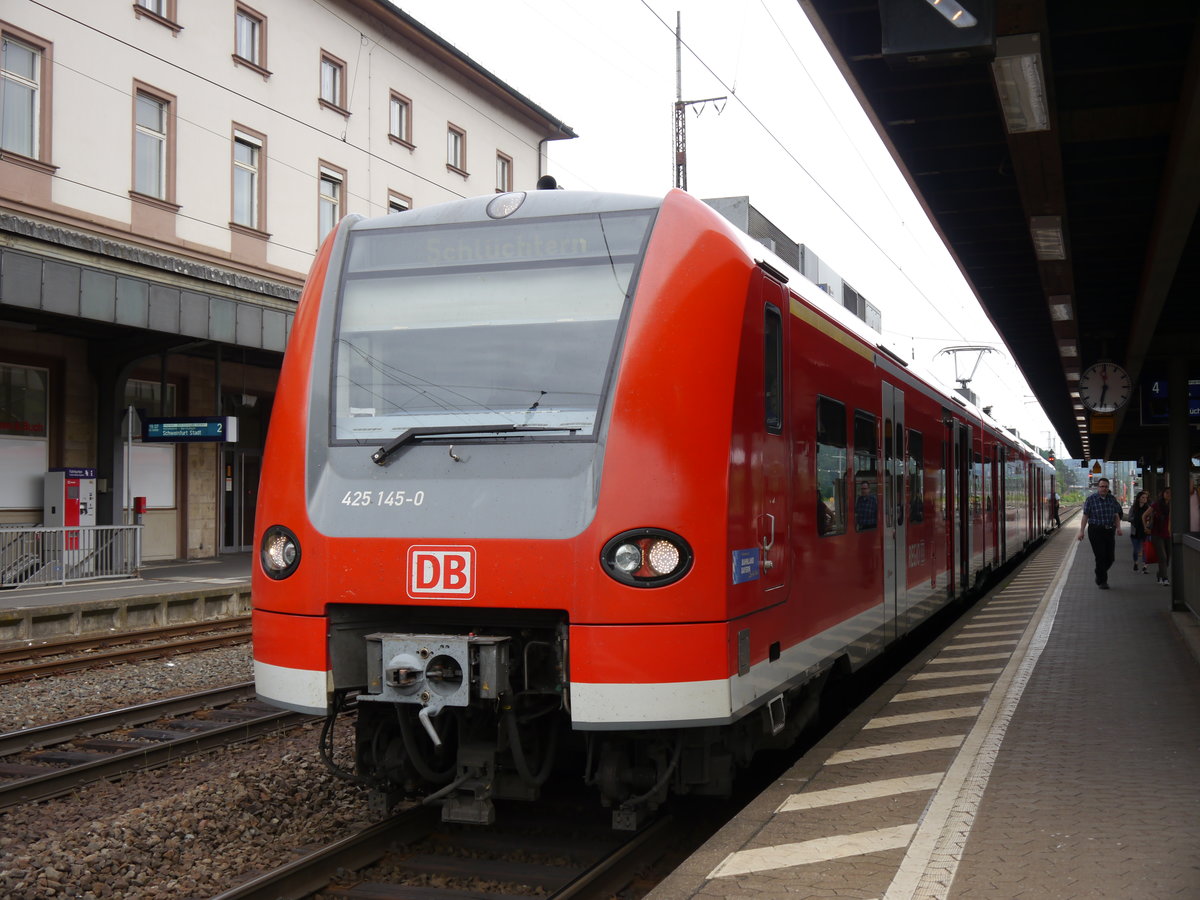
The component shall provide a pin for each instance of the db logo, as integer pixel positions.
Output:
(445, 572)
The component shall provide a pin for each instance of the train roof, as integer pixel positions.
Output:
(819, 299)
(534, 205)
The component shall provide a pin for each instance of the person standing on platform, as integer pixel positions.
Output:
(1160, 534)
(1101, 522)
(1054, 509)
(1194, 509)
(1137, 528)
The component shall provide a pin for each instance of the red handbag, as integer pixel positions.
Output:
(1148, 552)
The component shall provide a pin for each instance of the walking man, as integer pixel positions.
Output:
(1101, 522)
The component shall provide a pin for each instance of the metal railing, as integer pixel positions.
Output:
(34, 555)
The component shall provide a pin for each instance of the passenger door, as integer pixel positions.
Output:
(895, 556)
(772, 503)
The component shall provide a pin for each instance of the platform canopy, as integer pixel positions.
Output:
(1056, 146)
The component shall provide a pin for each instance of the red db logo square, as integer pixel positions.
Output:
(441, 572)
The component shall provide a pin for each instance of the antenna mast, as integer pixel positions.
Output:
(681, 106)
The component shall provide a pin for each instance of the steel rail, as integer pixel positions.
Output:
(112, 657)
(611, 873)
(143, 756)
(13, 651)
(127, 717)
(312, 872)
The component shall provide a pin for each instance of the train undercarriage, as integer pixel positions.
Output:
(464, 720)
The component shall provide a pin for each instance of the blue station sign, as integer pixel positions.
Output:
(190, 430)
(1155, 404)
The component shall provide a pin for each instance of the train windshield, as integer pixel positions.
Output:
(497, 323)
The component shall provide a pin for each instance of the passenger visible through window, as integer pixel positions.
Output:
(831, 467)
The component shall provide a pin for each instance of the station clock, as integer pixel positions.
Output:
(1104, 387)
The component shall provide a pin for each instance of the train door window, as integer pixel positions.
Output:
(866, 471)
(831, 467)
(976, 483)
(773, 370)
(916, 477)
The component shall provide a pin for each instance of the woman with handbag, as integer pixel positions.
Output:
(1137, 528)
(1159, 528)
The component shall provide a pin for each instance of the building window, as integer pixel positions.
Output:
(333, 83)
(250, 38)
(400, 119)
(248, 186)
(152, 156)
(398, 203)
(24, 435)
(21, 98)
(160, 11)
(148, 397)
(504, 178)
(331, 183)
(151, 466)
(24, 401)
(456, 149)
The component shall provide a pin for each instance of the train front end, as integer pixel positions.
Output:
(467, 500)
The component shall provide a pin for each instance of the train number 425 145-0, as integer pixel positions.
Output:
(383, 498)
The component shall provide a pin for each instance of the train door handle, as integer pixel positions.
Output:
(768, 541)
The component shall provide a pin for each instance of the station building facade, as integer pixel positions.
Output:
(168, 169)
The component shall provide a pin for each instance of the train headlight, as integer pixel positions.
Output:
(664, 557)
(280, 552)
(628, 558)
(646, 557)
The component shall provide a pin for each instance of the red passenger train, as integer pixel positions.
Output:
(588, 469)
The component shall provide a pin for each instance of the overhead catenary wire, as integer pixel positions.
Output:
(849, 216)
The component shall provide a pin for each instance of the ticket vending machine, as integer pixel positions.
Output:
(70, 500)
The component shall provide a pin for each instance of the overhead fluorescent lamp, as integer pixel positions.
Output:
(954, 13)
(1068, 348)
(1047, 235)
(1060, 308)
(1020, 84)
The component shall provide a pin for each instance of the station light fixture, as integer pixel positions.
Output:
(1047, 234)
(1021, 83)
(1060, 308)
(954, 13)
(1068, 348)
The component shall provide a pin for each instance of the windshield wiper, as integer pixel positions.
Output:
(380, 456)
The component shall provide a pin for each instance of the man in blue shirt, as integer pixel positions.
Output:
(1101, 522)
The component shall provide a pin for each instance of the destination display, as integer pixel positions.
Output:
(1155, 406)
(190, 429)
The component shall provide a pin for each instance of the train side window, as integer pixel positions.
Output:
(831, 467)
(866, 471)
(916, 477)
(773, 370)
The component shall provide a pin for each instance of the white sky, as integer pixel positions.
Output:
(792, 137)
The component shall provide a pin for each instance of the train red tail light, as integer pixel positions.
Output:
(646, 557)
(280, 552)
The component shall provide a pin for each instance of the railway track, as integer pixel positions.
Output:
(561, 853)
(49, 760)
(75, 654)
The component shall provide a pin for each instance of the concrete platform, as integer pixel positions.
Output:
(1047, 746)
(167, 593)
